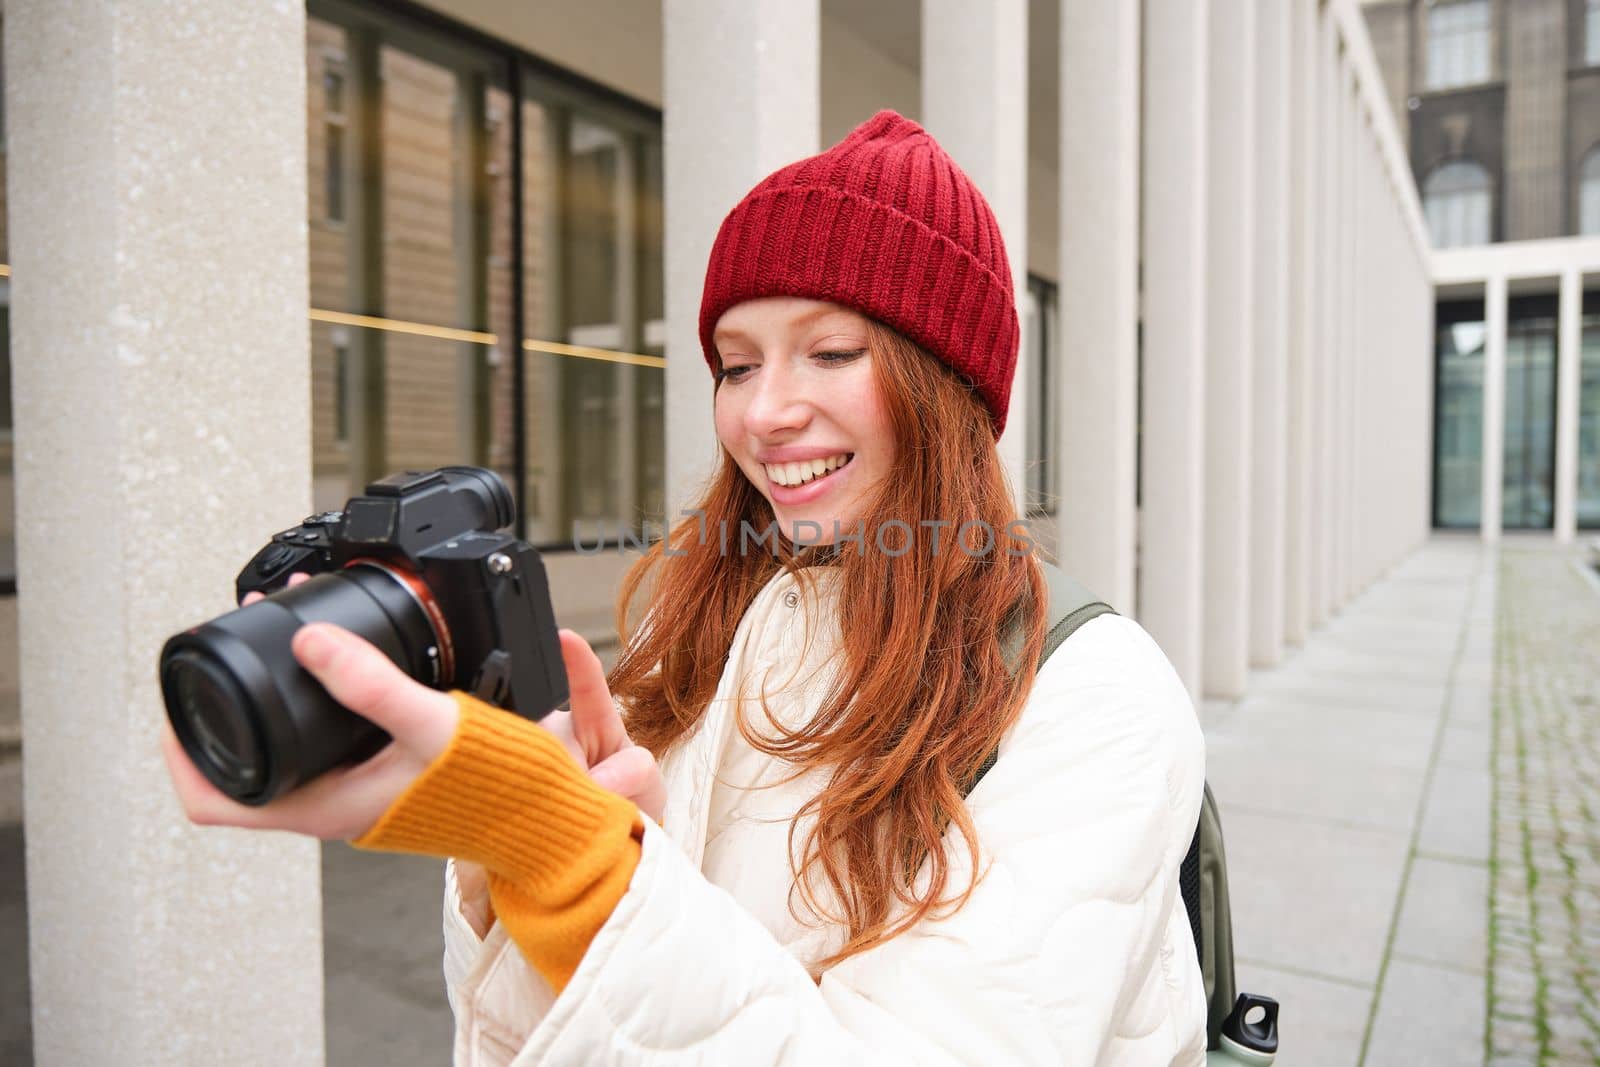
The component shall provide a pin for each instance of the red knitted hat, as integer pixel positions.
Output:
(883, 222)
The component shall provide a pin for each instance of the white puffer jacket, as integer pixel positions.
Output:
(1074, 949)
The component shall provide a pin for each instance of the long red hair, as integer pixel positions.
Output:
(925, 690)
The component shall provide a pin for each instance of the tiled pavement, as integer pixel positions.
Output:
(1544, 941)
(1355, 787)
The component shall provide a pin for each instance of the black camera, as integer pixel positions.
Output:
(416, 566)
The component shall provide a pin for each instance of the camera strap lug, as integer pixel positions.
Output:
(492, 683)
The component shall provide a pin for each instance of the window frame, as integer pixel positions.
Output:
(1429, 198)
(1458, 44)
(441, 39)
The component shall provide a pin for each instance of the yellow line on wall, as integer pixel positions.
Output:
(450, 333)
(5, 270)
(419, 329)
(556, 348)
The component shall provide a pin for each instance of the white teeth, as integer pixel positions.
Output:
(799, 473)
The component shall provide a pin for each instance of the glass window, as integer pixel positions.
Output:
(1588, 504)
(1528, 464)
(1458, 43)
(1591, 32)
(596, 399)
(1038, 351)
(402, 199)
(333, 134)
(413, 269)
(1589, 193)
(1458, 200)
(1458, 430)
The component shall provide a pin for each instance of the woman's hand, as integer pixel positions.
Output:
(347, 801)
(594, 734)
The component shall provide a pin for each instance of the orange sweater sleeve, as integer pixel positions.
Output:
(559, 849)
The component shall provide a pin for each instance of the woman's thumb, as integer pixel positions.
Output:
(632, 773)
(363, 679)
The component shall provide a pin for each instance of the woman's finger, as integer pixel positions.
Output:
(632, 772)
(595, 722)
(294, 579)
(367, 682)
(204, 803)
(559, 723)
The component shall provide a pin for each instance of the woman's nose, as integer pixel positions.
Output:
(778, 402)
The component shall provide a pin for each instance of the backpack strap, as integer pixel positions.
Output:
(1068, 605)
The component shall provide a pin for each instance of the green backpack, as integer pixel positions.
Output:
(1202, 878)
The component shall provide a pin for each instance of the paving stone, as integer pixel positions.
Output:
(1546, 934)
(1368, 736)
(1345, 690)
(1445, 918)
(383, 959)
(1456, 819)
(1320, 1022)
(1464, 748)
(1312, 896)
(1427, 1015)
(1306, 782)
(1471, 707)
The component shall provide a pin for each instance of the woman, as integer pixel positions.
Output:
(825, 662)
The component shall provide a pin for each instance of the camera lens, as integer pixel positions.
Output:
(251, 719)
(207, 700)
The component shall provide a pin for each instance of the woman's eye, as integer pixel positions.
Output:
(733, 374)
(841, 357)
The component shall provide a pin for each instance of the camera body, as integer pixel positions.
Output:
(485, 592)
(418, 566)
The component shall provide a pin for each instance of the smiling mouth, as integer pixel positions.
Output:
(794, 475)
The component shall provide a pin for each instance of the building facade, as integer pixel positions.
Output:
(476, 232)
(1499, 103)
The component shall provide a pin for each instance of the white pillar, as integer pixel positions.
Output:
(1339, 330)
(975, 103)
(1325, 253)
(1494, 404)
(1229, 363)
(1099, 251)
(1304, 257)
(1569, 356)
(740, 88)
(1350, 301)
(1172, 459)
(1270, 388)
(161, 365)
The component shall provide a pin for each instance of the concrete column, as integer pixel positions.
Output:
(1172, 459)
(1327, 314)
(1270, 387)
(1304, 257)
(1569, 356)
(1494, 404)
(1230, 258)
(1099, 246)
(1349, 332)
(1339, 329)
(157, 190)
(740, 88)
(975, 102)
